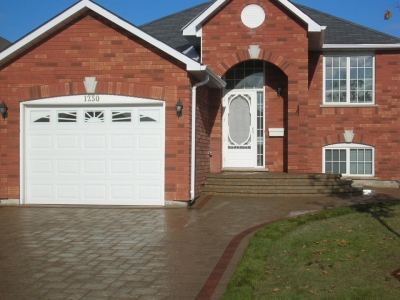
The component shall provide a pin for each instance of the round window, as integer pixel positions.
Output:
(253, 16)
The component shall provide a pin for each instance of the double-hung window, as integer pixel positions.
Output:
(349, 79)
(349, 159)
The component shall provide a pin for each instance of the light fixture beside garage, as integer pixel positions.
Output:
(4, 110)
(179, 108)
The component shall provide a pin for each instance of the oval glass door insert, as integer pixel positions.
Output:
(239, 121)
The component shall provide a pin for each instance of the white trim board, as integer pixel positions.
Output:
(82, 7)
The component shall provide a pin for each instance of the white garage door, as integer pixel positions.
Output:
(94, 155)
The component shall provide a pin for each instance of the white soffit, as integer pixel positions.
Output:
(81, 8)
(193, 28)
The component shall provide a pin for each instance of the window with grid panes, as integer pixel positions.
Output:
(349, 79)
(349, 159)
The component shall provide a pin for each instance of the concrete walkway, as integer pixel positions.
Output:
(130, 253)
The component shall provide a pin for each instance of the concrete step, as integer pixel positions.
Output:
(277, 184)
(274, 182)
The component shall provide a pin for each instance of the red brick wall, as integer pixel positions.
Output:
(283, 42)
(216, 131)
(275, 117)
(122, 63)
(203, 131)
(375, 126)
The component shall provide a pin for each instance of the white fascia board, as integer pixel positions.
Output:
(360, 46)
(216, 79)
(80, 8)
(312, 25)
(44, 30)
(193, 28)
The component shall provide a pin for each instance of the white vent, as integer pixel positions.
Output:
(253, 16)
(276, 131)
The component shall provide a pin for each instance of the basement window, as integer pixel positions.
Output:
(349, 159)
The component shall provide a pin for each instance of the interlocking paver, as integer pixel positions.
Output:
(129, 253)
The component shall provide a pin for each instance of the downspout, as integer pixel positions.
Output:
(193, 155)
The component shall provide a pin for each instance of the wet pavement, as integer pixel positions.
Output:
(138, 253)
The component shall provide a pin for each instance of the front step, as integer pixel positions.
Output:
(261, 184)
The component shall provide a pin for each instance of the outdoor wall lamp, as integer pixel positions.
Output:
(279, 90)
(179, 108)
(3, 110)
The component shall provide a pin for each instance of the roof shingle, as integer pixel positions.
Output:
(339, 31)
(4, 43)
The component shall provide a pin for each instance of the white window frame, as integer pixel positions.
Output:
(348, 147)
(348, 56)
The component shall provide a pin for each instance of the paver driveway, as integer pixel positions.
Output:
(129, 253)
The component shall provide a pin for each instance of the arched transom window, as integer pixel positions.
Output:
(246, 75)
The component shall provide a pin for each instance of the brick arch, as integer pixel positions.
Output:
(265, 55)
(331, 139)
(78, 88)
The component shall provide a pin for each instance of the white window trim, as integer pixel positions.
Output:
(348, 103)
(347, 147)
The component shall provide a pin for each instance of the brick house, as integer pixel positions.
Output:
(265, 84)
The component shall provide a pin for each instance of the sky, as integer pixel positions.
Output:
(19, 17)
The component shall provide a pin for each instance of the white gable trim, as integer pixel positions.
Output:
(194, 27)
(360, 46)
(82, 7)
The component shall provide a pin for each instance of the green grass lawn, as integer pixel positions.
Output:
(346, 253)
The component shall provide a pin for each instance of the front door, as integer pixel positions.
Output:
(243, 129)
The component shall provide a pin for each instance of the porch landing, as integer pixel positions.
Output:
(253, 183)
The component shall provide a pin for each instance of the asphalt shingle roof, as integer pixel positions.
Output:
(169, 28)
(339, 31)
(4, 43)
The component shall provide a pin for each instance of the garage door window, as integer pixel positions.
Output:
(67, 116)
(149, 116)
(40, 116)
(121, 116)
(94, 116)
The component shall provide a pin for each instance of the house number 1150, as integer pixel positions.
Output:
(92, 98)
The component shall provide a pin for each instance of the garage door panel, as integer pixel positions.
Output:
(149, 142)
(122, 141)
(149, 167)
(94, 167)
(67, 192)
(41, 166)
(40, 142)
(94, 192)
(148, 193)
(67, 141)
(95, 156)
(67, 167)
(94, 141)
(122, 192)
(40, 192)
(123, 167)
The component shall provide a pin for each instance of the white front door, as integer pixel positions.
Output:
(243, 129)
